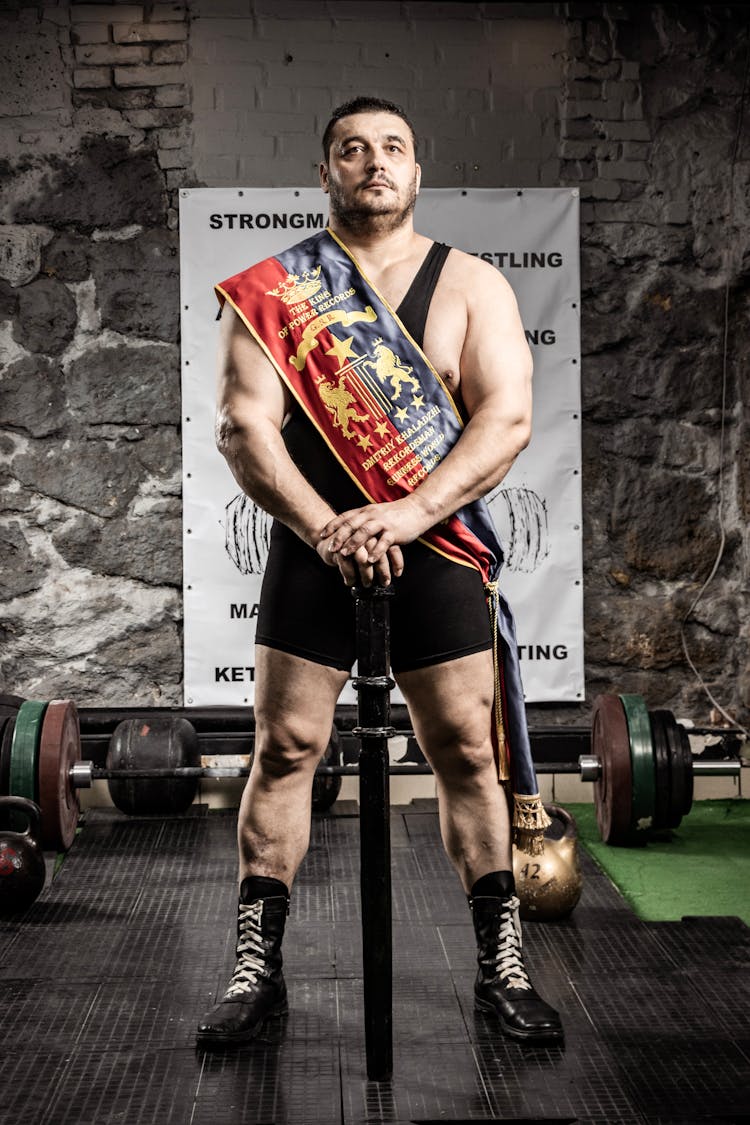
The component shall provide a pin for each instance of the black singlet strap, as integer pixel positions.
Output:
(412, 311)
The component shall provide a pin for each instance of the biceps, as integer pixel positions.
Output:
(249, 389)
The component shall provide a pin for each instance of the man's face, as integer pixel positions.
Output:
(372, 175)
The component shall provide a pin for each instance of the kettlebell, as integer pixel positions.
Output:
(22, 870)
(549, 885)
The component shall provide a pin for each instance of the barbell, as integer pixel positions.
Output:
(641, 766)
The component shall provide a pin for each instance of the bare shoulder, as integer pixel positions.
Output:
(482, 284)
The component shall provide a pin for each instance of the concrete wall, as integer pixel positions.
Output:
(109, 109)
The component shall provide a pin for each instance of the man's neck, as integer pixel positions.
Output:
(369, 242)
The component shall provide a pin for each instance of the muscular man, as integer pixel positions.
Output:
(463, 315)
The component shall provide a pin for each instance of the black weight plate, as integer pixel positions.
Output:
(687, 757)
(158, 743)
(661, 771)
(7, 726)
(678, 781)
(10, 704)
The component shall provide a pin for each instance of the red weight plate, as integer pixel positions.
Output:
(613, 792)
(59, 749)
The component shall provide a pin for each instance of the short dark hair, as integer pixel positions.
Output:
(364, 104)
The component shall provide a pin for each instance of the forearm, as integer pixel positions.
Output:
(481, 458)
(262, 467)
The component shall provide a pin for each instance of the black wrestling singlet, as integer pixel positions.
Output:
(303, 442)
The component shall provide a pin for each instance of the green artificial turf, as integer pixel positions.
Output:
(704, 869)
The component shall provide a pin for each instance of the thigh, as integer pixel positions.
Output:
(451, 709)
(295, 701)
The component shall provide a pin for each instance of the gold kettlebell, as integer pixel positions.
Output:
(549, 885)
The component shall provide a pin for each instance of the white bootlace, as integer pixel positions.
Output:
(250, 962)
(508, 963)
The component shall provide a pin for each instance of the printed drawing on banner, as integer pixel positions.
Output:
(247, 534)
(519, 514)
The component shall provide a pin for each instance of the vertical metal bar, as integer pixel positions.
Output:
(373, 685)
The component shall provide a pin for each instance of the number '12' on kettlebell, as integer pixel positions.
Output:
(22, 869)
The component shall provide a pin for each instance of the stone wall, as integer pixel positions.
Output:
(109, 109)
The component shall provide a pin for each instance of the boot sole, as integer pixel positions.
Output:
(550, 1036)
(221, 1040)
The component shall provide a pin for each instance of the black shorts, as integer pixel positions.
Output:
(438, 612)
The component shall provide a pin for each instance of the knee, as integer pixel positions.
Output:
(461, 753)
(285, 746)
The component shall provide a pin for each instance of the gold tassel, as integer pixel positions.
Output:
(529, 821)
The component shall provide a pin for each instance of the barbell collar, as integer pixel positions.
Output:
(590, 767)
(82, 775)
(382, 682)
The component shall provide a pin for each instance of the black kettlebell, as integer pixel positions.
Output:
(22, 870)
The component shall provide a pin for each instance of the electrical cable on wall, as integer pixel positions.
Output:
(720, 506)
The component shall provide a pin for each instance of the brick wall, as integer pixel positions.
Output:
(109, 109)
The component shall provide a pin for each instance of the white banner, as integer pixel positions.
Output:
(531, 236)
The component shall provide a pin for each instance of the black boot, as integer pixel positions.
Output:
(257, 988)
(502, 986)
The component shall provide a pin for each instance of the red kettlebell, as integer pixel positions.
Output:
(22, 870)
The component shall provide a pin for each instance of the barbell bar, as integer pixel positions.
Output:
(84, 773)
(54, 744)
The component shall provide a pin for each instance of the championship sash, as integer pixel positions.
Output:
(388, 418)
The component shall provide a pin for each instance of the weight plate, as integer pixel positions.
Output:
(24, 754)
(642, 761)
(9, 704)
(7, 726)
(59, 748)
(662, 795)
(678, 781)
(610, 743)
(158, 743)
(687, 758)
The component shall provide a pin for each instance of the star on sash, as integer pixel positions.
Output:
(364, 441)
(401, 413)
(342, 349)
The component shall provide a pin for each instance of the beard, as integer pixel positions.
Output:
(379, 214)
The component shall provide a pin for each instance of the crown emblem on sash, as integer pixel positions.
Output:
(291, 290)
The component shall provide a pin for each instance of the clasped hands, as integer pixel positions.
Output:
(365, 543)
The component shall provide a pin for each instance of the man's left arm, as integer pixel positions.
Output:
(496, 369)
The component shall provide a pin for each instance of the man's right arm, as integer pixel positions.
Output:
(251, 404)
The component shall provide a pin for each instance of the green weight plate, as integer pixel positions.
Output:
(612, 792)
(642, 760)
(24, 754)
